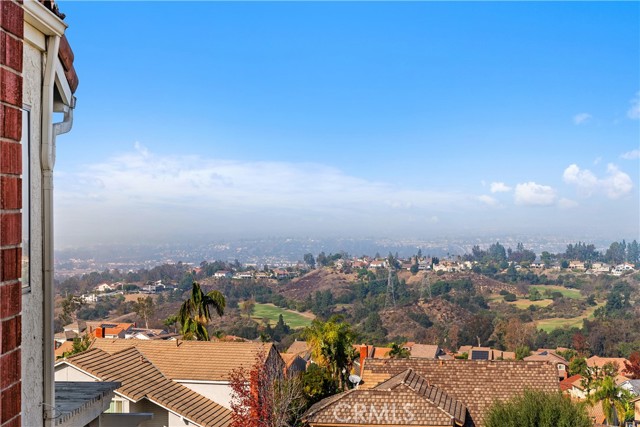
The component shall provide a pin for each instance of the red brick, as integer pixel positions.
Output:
(16, 422)
(10, 299)
(10, 86)
(11, 264)
(11, 334)
(12, 18)
(10, 192)
(11, 120)
(10, 229)
(10, 51)
(10, 157)
(10, 402)
(10, 368)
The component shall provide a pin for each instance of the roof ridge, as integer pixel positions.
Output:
(440, 398)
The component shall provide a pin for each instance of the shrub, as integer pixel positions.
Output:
(538, 409)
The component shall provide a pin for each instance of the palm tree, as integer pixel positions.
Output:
(195, 312)
(398, 352)
(615, 400)
(332, 346)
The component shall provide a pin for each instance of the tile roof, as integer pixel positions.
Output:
(64, 347)
(405, 399)
(568, 383)
(601, 361)
(141, 379)
(424, 350)
(476, 383)
(300, 348)
(192, 360)
(547, 356)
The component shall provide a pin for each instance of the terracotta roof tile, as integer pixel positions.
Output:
(193, 360)
(141, 379)
(477, 384)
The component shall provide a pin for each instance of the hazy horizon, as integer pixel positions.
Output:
(350, 119)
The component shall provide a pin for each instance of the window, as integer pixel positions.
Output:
(115, 407)
(26, 201)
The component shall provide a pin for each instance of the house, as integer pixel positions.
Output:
(423, 350)
(636, 407)
(104, 287)
(548, 356)
(202, 366)
(38, 80)
(633, 386)
(600, 362)
(405, 399)
(402, 392)
(485, 353)
(293, 363)
(300, 348)
(144, 390)
(378, 263)
(222, 274)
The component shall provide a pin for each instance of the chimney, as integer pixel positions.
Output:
(363, 355)
(99, 332)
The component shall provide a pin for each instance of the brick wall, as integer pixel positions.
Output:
(11, 35)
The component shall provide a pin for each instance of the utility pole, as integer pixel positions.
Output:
(390, 301)
(425, 287)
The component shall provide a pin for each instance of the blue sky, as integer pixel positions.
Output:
(217, 120)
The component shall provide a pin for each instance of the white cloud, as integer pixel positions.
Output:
(634, 111)
(567, 203)
(615, 185)
(631, 155)
(488, 200)
(143, 190)
(499, 187)
(581, 118)
(532, 194)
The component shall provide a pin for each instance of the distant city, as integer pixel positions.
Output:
(284, 252)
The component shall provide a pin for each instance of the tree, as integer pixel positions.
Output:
(79, 345)
(317, 384)
(262, 396)
(578, 366)
(144, 308)
(632, 367)
(195, 312)
(538, 409)
(522, 352)
(310, 260)
(70, 306)
(398, 352)
(170, 322)
(332, 346)
(247, 307)
(614, 399)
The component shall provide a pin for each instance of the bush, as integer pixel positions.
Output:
(538, 409)
(510, 297)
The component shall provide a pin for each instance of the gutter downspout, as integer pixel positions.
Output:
(47, 158)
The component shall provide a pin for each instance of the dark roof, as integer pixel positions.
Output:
(475, 383)
(74, 397)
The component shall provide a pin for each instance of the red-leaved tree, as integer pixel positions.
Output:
(632, 367)
(263, 396)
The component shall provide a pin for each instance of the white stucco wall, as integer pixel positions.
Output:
(32, 326)
(160, 415)
(218, 392)
(71, 373)
(177, 421)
